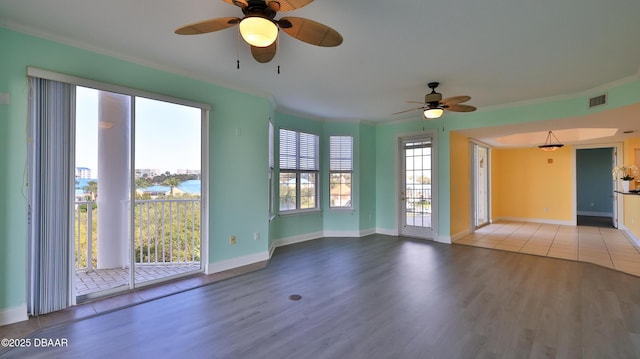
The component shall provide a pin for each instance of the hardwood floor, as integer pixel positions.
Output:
(377, 297)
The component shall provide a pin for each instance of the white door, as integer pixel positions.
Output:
(417, 186)
(481, 185)
(614, 163)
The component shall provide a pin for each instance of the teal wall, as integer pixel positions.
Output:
(387, 168)
(238, 164)
(594, 184)
(13, 224)
(367, 177)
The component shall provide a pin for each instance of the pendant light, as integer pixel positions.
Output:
(549, 145)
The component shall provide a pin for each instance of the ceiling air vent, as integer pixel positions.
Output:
(598, 100)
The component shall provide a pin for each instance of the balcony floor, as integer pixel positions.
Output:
(97, 280)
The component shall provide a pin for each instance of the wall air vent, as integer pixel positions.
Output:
(598, 100)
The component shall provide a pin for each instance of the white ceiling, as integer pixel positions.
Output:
(498, 52)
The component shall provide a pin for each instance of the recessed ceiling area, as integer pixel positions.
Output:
(571, 135)
(607, 126)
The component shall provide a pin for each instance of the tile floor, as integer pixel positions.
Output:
(103, 279)
(607, 247)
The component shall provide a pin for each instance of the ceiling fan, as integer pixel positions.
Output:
(259, 28)
(434, 105)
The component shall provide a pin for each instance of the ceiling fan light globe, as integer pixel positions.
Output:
(258, 31)
(432, 113)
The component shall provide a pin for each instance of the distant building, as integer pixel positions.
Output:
(147, 172)
(83, 172)
(183, 171)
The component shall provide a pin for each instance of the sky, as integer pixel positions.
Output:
(167, 134)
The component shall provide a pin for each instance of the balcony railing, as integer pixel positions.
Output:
(166, 232)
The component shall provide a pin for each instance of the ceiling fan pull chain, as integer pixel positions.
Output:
(278, 53)
(238, 50)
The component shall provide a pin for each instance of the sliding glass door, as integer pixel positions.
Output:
(117, 189)
(138, 191)
(167, 205)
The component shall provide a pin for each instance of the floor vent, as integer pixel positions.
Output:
(598, 101)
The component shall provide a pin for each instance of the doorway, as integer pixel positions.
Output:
(595, 198)
(480, 192)
(85, 199)
(138, 197)
(417, 203)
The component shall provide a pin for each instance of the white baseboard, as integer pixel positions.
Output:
(367, 232)
(443, 239)
(349, 234)
(232, 263)
(296, 239)
(388, 232)
(13, 315)
(336, 234)
(630, 234)
(537, 220)
(459, 235)
(262, 256)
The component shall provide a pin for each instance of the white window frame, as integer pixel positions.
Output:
(341, 162)
(298, 164)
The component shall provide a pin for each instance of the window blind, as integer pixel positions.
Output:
(298, 151)
(51, 127)
(340, 153)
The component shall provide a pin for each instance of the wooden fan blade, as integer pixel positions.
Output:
(311, 32)
(239, 3)
(287, 5)
(418, 102)
(450, 101)
(264, 54)
(206, 26)
(409, 110)
(461, 108)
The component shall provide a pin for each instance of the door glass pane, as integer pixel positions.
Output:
(417, 184)
(103, 123)
(166, 225)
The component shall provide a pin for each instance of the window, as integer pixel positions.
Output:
(298, 170)
(340, 171)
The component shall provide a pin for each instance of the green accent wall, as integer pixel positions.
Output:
(367, 177)
(238, 135)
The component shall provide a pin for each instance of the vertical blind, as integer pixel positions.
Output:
(51, 193)
(298, 151)
(341, 153)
